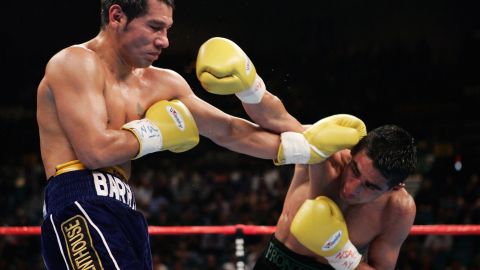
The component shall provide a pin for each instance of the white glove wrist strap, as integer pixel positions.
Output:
(296, 149)
(254, 94)
(148, 135)
(347, 258)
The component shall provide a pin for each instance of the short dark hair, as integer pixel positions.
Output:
(392, 150)
(132, 8)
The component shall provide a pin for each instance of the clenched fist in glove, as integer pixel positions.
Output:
(319, 226)
(168, 125)
(223, 68)
(322, 139)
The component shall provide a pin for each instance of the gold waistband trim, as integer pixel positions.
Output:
(76, 165)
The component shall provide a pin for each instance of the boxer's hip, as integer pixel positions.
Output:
(73, 182)
(277, 256)
(90, 219)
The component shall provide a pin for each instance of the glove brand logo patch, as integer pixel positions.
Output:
(177, 118)
(78, 241)
(248, 67)
(332, 241)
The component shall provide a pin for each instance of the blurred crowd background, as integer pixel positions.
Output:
(411, 63)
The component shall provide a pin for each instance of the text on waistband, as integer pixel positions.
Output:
(111, 186)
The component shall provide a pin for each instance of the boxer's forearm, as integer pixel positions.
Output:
(271, 114)
(224, 68)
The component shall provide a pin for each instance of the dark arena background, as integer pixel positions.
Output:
(411, 63)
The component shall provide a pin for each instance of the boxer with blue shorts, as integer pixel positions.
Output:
(90, 222)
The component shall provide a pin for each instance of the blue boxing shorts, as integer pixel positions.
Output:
(90, 222)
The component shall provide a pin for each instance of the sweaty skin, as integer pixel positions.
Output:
(378, 220)
(89, 91)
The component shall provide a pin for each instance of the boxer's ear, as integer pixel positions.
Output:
(115, 14)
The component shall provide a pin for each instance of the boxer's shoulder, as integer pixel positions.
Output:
(400, 203)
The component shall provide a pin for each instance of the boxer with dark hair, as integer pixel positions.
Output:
(350, 211)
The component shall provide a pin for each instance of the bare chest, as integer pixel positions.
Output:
(125, 102)
(364, 223)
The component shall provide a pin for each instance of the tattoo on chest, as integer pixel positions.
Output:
(140, 110)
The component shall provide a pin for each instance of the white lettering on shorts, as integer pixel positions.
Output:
(108, 185)
(282, 260)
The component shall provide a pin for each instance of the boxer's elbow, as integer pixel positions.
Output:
(233, 131)
(95, 153)
(92, 158)
(222, 139)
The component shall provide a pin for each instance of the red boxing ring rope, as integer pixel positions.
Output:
(255, 230)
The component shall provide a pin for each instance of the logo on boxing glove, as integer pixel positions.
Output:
(248, 65)
(332, 241)
(176, 117)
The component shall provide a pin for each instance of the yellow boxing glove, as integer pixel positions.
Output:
(318, 142)
(223, 68)
(319, 226)
(168, 125)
